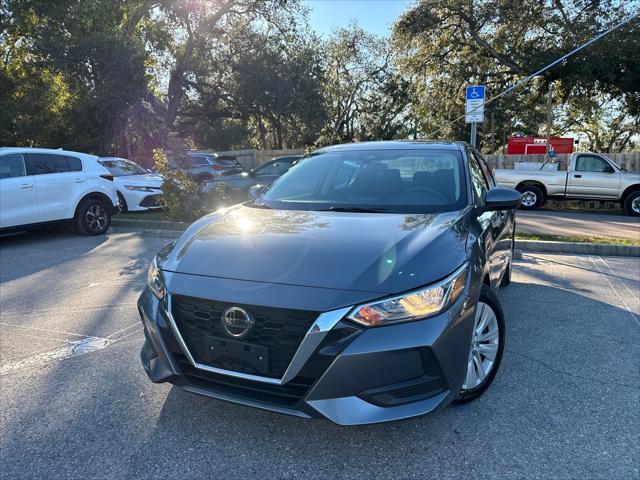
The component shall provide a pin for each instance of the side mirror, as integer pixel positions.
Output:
(499, 198)
(609, 169)
(252, 172)
(255, 191)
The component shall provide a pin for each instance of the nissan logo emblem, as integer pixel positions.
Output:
(237, 322)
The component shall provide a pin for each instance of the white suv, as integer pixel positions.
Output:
(41, 186)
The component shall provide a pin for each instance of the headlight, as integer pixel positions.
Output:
(155, 281)
(138, 188)
(414, 305)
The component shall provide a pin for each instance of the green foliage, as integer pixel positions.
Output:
(183, 198)
(358, 74)
(123, 78)
(447, 44)
(74, 62)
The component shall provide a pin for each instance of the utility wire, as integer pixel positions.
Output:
(552, 64)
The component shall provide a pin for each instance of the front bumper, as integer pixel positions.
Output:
(350, 374)
(139, 201)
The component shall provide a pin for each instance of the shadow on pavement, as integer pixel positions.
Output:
(564, 405)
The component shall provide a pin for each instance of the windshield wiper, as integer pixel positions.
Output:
(354, 209)
(260, 205)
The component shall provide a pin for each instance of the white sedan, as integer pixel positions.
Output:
(138, 188)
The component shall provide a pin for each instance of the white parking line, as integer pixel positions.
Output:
(78, 347)
(634, 316)
(612, 273)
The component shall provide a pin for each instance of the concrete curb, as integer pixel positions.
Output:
(543, 246)
(165, 229)
(149, 224)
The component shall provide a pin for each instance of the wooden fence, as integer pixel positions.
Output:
(630, 161)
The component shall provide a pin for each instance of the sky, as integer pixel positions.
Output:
(373, 16)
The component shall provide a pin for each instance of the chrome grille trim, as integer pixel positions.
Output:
(316, 333)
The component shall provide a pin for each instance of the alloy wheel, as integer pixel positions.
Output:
(529, 198)
(635, 205)
(484, 346)
(96, 218)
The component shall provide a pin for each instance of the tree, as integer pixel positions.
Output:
(70, 72)
(603, 121)
(446, 45)
(262, 82)
(356, 64)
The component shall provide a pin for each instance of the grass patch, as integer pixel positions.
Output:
(577, 239)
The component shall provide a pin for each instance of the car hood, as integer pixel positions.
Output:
(146, 180)
(372, 252)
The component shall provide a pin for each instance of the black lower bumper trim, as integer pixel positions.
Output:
(287, 395)
(404, 392)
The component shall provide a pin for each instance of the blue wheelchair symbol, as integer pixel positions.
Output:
(475, 92)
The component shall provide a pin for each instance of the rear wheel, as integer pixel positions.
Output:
(487, 344)
(532, 197)
(93, 217)
(632, 204)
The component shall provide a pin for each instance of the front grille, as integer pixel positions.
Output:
(280, 330)
(151, 200)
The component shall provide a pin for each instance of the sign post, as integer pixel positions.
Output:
(474, 108)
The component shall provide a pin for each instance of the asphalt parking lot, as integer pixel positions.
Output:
(75, 402)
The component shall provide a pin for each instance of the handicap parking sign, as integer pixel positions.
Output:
(474, 105)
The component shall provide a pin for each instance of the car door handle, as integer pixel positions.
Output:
(577, 176)
(26, 185)
(78, 180)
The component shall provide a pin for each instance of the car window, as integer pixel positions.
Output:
(12, 165)
(75, 164)
(197, 160)
(394, 181)
(591, 163)
(226, 161)
(276, 168)
(44, 163)
(119, 167)
(478, 179)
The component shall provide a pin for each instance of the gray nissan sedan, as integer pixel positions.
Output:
(360, 287)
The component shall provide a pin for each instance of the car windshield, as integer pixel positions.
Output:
(389, 181)
(119, 167)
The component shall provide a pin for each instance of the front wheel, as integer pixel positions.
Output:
(92, 217)
(487, 345)
(632, 204)
(532, 197)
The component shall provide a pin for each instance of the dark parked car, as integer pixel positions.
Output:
(238, 185)
(204, 167)
(360, 287)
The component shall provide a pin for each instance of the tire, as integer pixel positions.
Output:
(532, 197)
(487, 304)
(123, 203)
(93, 217)
(632, 204)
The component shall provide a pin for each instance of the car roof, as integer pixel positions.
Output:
(58, 151)
(396, 145)
(116, 158)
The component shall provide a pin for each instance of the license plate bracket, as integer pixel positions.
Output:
(224, 351)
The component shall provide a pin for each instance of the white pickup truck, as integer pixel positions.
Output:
(590, 176)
